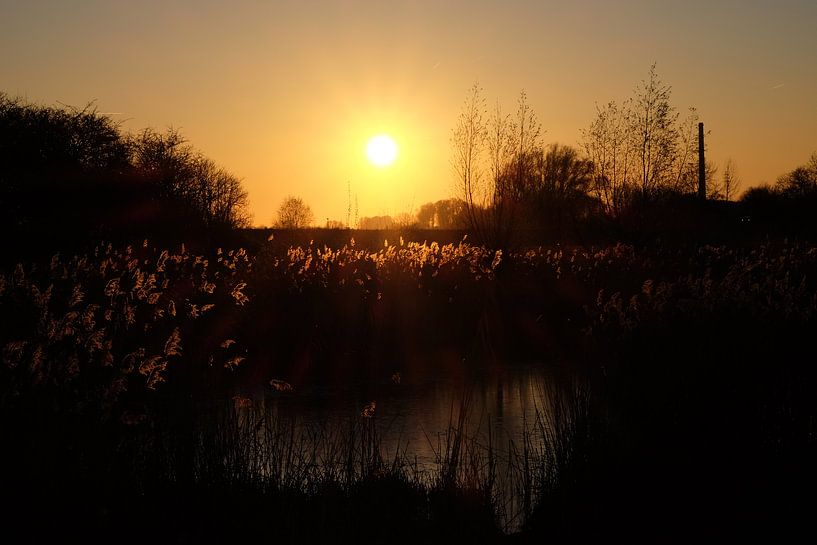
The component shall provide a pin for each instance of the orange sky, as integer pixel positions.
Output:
(285, 94)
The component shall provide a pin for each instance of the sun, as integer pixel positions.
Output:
(381, 150)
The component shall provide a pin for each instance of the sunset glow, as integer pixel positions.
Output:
(291, 96)
(344, 271)
(381, 150)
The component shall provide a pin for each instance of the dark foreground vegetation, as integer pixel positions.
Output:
(676, 334)
(685, 405)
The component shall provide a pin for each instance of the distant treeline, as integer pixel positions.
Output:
(787, 207)
(556, 200)
(71, 175)
(442, 214)
(636, 178)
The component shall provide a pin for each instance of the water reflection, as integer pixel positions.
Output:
(415, 415)
(494, 425)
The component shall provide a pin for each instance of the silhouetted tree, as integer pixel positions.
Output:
(450, 214)
(70, 176)
(641, 149)
(61, 172)
(607, 145)
(219, 196)
(714, 188)
(443, 214)
(294, 214)
(655, 133)
(686, 160)
(405, 220)
(427, 216)
(800, 182)
(207, 195)
(468, 142)
(553, 189)
(377, 222)
(787, 208)
(37, 139)
(484, 150)
(730, 183)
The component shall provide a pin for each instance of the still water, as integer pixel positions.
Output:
(415, 414)
(503, 416)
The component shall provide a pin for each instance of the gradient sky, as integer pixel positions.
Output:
(285, 94)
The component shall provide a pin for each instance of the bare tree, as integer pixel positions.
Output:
(294, 214)
(801, 181)
(214, 196)
(499, 140)
(468, 143)
(405, 220)
(490, 160)
(640, 148)
(686, 160)
(218, 195)
(497, 197)
(522, 138)
(63, 172)
(552, 188)
(655, 133)
(166, 160)
(730, 183)
(607, 145)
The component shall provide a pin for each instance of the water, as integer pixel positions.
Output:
(415, 414)
(501, 415)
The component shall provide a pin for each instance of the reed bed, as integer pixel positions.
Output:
(690, 388)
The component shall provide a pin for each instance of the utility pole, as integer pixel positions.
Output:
(701, 164)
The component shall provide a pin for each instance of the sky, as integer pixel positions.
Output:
(285, 95)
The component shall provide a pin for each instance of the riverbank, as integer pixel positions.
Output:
(681, 402)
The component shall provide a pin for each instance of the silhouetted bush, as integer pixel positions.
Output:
(69, 177)
(785, 209)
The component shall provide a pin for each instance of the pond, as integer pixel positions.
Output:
(414, 414)
(493, 425)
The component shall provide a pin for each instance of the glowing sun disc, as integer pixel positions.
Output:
(381, 150)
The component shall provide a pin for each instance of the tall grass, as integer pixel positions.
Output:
(698, 390)
(327, 480)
